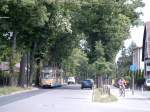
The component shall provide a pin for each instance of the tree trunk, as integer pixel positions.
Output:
(27, 73)
(32, 62)
(96, 81)
(14, 44)
(38, 73)
(99, 81)
(13, 81)
(22, 76)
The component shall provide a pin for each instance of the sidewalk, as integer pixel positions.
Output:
(137, 93)
(139, 101)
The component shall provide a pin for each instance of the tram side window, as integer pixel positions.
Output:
(53, 75)
(58, 74)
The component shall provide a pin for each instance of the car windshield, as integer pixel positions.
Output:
(148, 81)
(71, 78)
(89, 81)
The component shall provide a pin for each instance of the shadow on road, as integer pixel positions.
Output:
(73, 87)
(48, 87)
(64, 87)
(19, 96)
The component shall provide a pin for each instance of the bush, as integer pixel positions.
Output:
(5, 78)
(103, 98)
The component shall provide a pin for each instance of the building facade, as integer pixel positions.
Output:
(137, 58)
(146, 50)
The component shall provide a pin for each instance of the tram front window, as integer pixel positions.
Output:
(47, 76)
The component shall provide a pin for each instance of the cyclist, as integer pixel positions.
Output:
(121, 83)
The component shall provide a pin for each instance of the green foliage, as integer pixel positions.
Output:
(75, 62)
(139, 75)
(52, 32)
(103, 67)
(125, 60)
(109, 22)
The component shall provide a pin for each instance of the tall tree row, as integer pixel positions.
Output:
(42, 32)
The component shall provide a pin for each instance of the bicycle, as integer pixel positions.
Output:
(122, 90)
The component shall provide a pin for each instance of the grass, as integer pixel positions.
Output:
(103, 98)
(8, 90)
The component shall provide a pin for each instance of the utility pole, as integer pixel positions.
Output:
(133, 69)
(133, 83)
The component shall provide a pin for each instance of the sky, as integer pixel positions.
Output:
(137, 32)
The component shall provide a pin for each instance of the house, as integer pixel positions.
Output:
(137, 58)
(146, 50)
(4, 66)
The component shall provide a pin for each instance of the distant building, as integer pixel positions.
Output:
(4, 66)
(146, 50)
(137, 58)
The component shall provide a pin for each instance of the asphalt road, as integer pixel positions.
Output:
(16, 97)
(66, 99)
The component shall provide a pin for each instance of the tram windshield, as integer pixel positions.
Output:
(47, 75)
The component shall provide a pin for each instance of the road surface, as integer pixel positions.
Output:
(67, 99)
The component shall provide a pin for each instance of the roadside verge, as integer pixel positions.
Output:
(99, 96)
(7, 91)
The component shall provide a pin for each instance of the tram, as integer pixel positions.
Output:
(51, 77)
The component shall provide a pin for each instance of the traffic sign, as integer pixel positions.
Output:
(133, 68)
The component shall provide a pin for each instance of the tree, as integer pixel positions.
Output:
(125, 60)
(25, 22)
(109, 22)
(75, 61)
(44, 32)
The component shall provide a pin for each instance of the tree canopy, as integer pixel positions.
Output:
(51, 31)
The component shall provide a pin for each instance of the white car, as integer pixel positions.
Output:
(147, 84)
(71, 80)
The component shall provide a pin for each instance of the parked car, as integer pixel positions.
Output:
(71, 80)
(147, 84)
(88, 83)
(91, 80)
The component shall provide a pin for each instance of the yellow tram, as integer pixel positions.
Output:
(51, 77)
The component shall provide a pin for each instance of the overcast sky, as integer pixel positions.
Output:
(137, 32)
